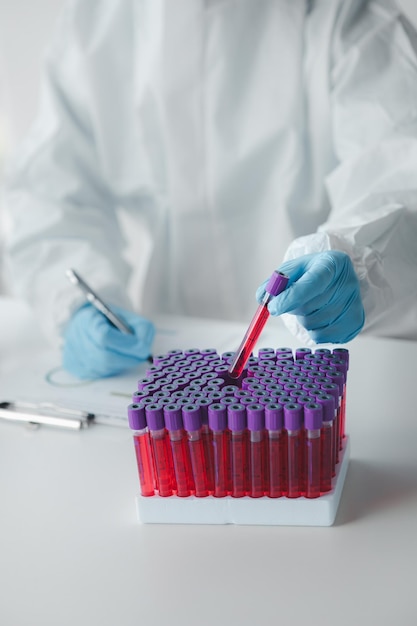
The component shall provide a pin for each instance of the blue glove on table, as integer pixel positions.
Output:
(323, 291)
(93, 348)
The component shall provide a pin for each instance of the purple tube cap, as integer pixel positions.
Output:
(328, 403)
(256, 416)
(276, 283)
(236, 417)
(136, 416)
(191, 415)
(313, 416)
(217, 416)
(155, 416)
(342, 353)
(274, 416)
(332, 389)
(173, 416)
(293, 416)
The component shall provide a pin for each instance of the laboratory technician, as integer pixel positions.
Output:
(238, 133)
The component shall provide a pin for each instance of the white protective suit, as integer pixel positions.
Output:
(226, 128)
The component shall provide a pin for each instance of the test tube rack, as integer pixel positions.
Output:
(275, 376)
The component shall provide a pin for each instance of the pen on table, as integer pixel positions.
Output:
(48, 415)
(100, 305)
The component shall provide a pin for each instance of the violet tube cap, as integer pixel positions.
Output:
(236, 417)
(203, 404)
(274, 416)
(173, 417)
(333, 390)
(301, 352)
(293, 416)
(191, 415)
(340, 365)
(256, 416)
(190, 351)
(217, 416)
(155, 416)
(328, 403)
(342, 353)
(337, 378)
(137, 396)
(276, 283)
(313, 416)
(321, 351)
(136, 416)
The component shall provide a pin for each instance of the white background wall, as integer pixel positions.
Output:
(25, 27)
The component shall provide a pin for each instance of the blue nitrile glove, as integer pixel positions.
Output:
(93, 348)
(323, 291)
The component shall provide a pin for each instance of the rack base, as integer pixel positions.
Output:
(250, 511)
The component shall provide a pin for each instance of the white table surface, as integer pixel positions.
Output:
(73, 553)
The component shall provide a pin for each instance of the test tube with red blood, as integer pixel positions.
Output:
(333, 390)
(217, 417)
(293, 420)
(161, 449)
(313, 420)
(179, 448)
(257, 450)
(274, 286)
(236, 419)
(191, 415)
(137, 423)
(328, 464)
(276, 450)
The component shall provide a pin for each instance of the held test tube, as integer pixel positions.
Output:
(275, 285)
(137, 423)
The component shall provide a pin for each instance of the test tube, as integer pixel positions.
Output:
(257, 450)
(313, 420)
(276, 483)
(206, 435)
(327, 467)
(160, 448)
(333, 390)
(236, 419)
(293, 420)
(217, 416)
(338, 378)
(137, 423)
(191, 416)
(275, 285)
(179, 449)
(342, 366)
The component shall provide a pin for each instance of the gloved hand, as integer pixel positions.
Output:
(323, 291)
(93, 348)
